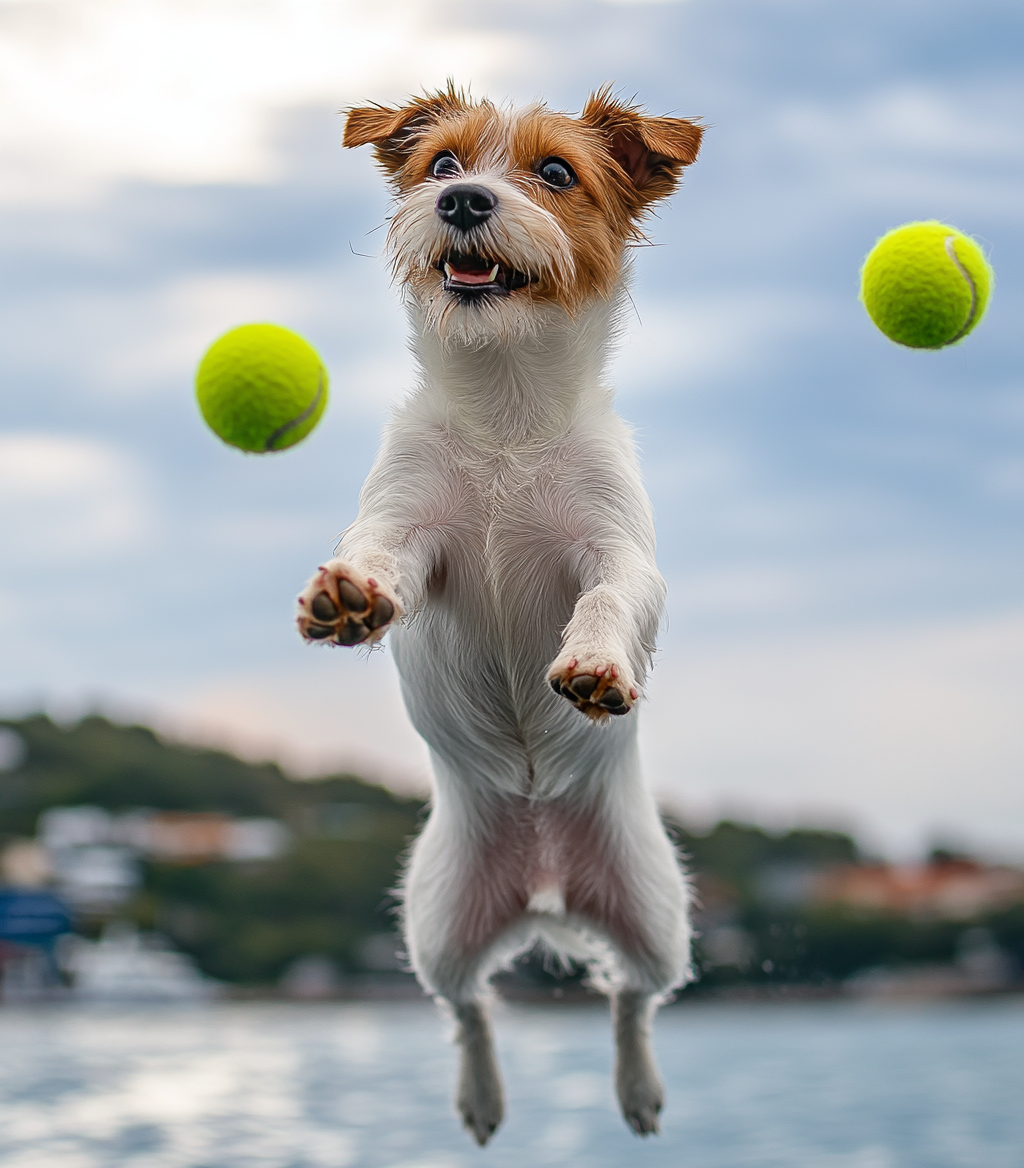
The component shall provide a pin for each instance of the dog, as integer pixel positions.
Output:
(505, 540)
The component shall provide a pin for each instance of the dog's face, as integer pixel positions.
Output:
(503, 213)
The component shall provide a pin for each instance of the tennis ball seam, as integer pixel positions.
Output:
(307, 412)
(968, 323)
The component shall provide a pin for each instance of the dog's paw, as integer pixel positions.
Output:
(596, 687)
(641, 1112)
(341, 606)
(480, 1101)
(641, 1095)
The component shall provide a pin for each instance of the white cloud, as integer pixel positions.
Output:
(66, 496)
(908, 731)
(149, 340)
(338, 710)
(941, 151)
(182, 90)
(748, 589)
(919, 120)
(160, 335)
(686, 344)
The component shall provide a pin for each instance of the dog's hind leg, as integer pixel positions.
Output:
(654, 961)
(629, 886)
(464, 912)
(481, 1097)
(637, 1082)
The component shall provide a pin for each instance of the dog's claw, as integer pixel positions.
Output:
(645, 1123)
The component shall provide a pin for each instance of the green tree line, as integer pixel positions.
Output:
(331, 891)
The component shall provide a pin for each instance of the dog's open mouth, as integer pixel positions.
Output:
(471, 275)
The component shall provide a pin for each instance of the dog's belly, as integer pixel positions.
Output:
(552, 858)
(473, 666)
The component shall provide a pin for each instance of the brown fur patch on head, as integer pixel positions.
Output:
(651, 151)
(392, 131)
(623, 162)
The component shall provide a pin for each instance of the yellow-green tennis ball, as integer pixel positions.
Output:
(261, 387)
(926, 285)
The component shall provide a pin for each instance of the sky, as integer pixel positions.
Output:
(839, 519)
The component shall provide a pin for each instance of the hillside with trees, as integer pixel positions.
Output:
(761, 916)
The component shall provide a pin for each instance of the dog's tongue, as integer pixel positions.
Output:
(466, 275)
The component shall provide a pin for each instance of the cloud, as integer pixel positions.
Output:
(748, 589)
(64, 498)
(694, 342)
(338, 710)
(181, 92)
(955, 148)
(907, 731)
(130, 342)
(916, 119)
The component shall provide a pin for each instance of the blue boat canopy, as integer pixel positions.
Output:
(32, 918)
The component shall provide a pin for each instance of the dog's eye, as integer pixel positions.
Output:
(556, 172)
(445, 165)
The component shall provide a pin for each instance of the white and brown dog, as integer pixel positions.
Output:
(505, 538)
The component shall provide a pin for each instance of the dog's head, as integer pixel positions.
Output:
(502, 213)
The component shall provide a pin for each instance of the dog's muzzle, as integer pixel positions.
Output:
(468, 274)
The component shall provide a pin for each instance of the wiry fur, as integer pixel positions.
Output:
(505, 538)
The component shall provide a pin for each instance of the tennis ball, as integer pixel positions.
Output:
(925, 285)
(261, 387)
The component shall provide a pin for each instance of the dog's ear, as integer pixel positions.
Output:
(652, 151)
(393, 131)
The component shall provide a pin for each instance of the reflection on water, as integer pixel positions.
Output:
(225, 1085)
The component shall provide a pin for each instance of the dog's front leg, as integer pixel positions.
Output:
(384, 559)
(607, 645)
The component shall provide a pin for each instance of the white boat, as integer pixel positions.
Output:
(126, 965)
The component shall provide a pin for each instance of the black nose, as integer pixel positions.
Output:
(465, 205)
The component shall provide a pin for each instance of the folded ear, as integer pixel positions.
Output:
(652, 151)
(393, 131)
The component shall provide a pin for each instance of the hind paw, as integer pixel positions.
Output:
(641, 1097)
(481, 1099)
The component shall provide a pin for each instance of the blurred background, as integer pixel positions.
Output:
(840, 677)
(198, 810)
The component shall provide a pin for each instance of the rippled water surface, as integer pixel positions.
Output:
(329, 1086)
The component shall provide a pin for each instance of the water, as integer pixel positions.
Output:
(830, 1085)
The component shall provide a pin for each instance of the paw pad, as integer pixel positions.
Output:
(344, 613)
(594, 694)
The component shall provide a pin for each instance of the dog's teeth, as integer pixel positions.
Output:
(448, 270)
(494, 272)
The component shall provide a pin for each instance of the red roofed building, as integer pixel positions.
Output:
(952, 889)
